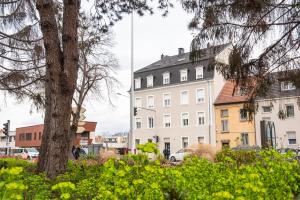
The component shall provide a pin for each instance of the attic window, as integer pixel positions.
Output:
(286, 85)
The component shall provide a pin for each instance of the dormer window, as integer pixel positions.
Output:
(286, 85)
(166, 78)
(137, 83)
(199, 72)
(183, 75)
(150, 81)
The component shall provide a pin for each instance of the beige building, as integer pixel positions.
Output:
(277, 119)
(174, 99)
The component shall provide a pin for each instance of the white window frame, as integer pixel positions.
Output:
(243, 133)
(188, 141)
(135, 145)
(166, 76)
(289, 85)
(199, 72)
(181, 102)
(288, 140)
(148, 102)
(225, 131)
(286, 105)
(164, 105)
(148, 124)
(181, 119)
(164, 121)
(197, 95)
(262, 108)
(135, 103)
(137, 80)
(182, 73)
(197, 118)
(136, 120)
(201, 137)
(150, 80)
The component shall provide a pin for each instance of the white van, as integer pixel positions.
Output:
(25, 153)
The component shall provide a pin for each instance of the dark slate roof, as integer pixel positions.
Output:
(174, 64)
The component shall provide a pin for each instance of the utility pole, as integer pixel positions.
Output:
(130, 133)
(6, 131)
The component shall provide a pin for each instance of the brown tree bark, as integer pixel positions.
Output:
(61, 76)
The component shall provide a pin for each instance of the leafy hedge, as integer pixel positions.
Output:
(236, 175)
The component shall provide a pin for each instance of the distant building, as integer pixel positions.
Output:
(174, 98)
(233, 127)
(31, 136)
(10, 141)
(277, 119)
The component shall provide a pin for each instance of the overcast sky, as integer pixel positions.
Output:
(153, 35)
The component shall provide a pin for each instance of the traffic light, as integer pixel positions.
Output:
(6, 128)
(135, 111)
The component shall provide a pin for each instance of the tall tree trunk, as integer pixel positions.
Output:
(61, 76)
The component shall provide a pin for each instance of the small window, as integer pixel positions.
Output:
(35, 136)
(28, 136)
(166, 78)
(244, 139)
(167, 120)
(150, 122)
(224, 124)
(243, 114)
(286, 85)
(224, 113)
(201, 118)
(40, 135)
(200, 96)
(138, 123)
(201, 140)
(199, 72)
(137, 83)
(290, 111)
(183, 75)
(138, 102)
(150, 81)
(184, 97)
(291, 137)
(267, 109)
(167, 100)
(150, 101)
(185, 142)
(184, 119)
(137, 142)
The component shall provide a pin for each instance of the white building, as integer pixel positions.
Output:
(277, 119)
(10, 141)
(175, 96)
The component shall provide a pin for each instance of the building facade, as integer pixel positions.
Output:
(31, 136)
(174, 99)
(277, 118)
(233, 126)
(7, 141)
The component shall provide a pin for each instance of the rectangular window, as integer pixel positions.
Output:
(224, 124)
(138, 123)
(201, 140)
(34, 136)
(267, 109)
(40, 135)
(167, 100)
(200, 96)
(243, 114)
(184, 119)
(150, 122)
(201, 118)
(185, 142)
(183, 75)
(184, 97)
(150, 81)
(167, 120)
(199, 72)
(137, 83)
(28, 136)
(138, 102)
(224, 113)
(290, 110)
(244, 139)
(291, 137)
(166, 78)
(137, 142)
(286, 85)
(150, 101)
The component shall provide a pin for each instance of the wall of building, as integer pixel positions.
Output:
(236, 126)
(282, 127)
(11, 139)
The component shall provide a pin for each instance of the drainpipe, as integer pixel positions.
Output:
(209, 111)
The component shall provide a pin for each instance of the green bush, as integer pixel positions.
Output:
(236, 175)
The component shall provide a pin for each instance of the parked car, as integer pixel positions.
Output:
(25, 153)
(179, 155)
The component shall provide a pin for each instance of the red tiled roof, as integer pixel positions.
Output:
(227, 95)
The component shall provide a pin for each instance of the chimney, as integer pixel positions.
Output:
(162, 56)
(180, 51)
